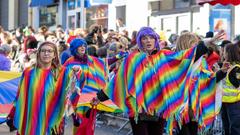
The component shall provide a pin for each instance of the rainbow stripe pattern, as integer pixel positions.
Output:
(87, 95)
(8, 91)
(95, 78)
(157, 85)
(40, 102)
(202, 94)
(94, 71)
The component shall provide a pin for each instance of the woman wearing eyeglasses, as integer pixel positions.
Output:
(40, 102)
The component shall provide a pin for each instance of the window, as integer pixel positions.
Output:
(71, 22)
(71, 4)
(169, 6)
(121, 13)
(98, 15)
(78, 19)
(183, 23)
(182, 3)
(48, 16)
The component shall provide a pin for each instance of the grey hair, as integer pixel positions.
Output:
(5, 48)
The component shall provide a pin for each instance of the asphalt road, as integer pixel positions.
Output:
(101, 129)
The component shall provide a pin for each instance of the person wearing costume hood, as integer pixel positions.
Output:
(94, 70)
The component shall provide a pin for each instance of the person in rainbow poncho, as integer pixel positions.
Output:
(203, 69)
(40, 103)
(94, 77)
(152, 85)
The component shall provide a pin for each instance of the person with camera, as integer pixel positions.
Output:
(95, 36)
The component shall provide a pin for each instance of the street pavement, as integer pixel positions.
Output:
(101, 129)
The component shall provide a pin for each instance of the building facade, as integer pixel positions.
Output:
(173, 16)
(70, 15)
(13, 13)
(93, 13)
(170, 16)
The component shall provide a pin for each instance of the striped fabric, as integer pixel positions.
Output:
(159, 85)
(95, 78)
(202, 94)
(94, 71)
(41, 101)
(8, 91)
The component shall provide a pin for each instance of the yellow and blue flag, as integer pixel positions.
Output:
(8, 90)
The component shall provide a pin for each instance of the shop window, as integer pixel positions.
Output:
(97, 15)
(48, 16)
(78, 19)
(121, 13)
(86, 3)
(71, 22)
(71, 4)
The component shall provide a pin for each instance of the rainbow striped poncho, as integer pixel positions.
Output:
(8, 90)
(93, 80)
(94, 71)
(202, 94)
(40, 101)
(157, 85)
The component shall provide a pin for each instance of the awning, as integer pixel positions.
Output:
(223, 2)
(41, 3)
(102, 1)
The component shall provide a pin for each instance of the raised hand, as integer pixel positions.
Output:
(76, 68)
(95, 101)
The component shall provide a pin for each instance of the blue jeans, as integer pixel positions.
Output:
(231, 118)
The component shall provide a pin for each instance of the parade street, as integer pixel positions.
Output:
(103, 130)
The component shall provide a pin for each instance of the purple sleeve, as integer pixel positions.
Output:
(6, 66)
(111, 60)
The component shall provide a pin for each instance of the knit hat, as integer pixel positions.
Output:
(209, 34)
(75, 43)
(147, 31)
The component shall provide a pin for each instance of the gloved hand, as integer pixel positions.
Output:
(10, 119)
(10, 125)
(76, 120)
(95, 101)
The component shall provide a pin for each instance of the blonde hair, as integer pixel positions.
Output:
(55, 62)
(186, 41)
(79, 32)
(124, 41)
